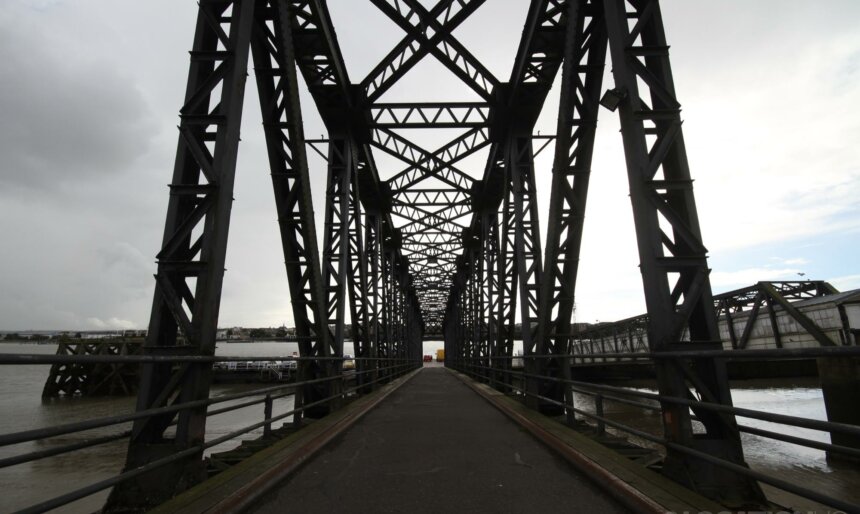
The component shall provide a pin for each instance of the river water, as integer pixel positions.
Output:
(800, 465)
(22, 408)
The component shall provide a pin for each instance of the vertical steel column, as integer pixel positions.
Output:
(278, 88)
(409, 326)
(386, 345)
(452, 321)
(527, 262)
(416, 331)
(193, 248)
(462, 317)
(357, 271)
(481, 286)
(462, 307)
(403, 308)
(397, 308)
(337, 266)
(405, 320)
(474, 309)
(508, 277)
(674, 264)
(394, 318)
(581, 81)
(449, 326)
(372, 238)
(410, 329)
(478, 322)
(490, 227)
(469, 320)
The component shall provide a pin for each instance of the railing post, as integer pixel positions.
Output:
(598, 411)
(840, 385)
(267, 415)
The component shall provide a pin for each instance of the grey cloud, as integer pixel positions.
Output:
(89, 93)
(64, 120)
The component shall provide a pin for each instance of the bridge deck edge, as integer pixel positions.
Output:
(638, 488)
(237, 488)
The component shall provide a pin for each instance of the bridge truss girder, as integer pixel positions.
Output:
(574, 36)
(280, 34)
(433, 275)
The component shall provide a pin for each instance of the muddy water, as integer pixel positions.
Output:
(803, 466)
(22, 408)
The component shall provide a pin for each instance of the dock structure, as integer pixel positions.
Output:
(71, 378)
(118, 376)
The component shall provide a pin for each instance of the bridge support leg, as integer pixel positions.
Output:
(183, 322)
(584, 50)
(454, 350)
(337, 266)
(475, 309)
(673, 259)
(367, 372)
(275, 69)
(507, 298)
(357, 285)
(489, 290)
(540, 393)
(386, 347)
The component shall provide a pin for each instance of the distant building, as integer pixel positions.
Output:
(101, 335)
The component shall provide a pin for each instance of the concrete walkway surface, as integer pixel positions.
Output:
(435, 446)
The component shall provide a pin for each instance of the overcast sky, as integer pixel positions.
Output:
(90, 91)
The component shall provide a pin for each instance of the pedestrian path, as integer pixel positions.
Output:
(435, 446)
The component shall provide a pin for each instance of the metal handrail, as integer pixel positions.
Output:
(71, 496)
(398, 366)
(588, 387)
(476, 368)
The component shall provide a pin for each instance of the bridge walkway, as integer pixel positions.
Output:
(436, 446)
(435, 441)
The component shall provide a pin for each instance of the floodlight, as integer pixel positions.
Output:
(611, 98)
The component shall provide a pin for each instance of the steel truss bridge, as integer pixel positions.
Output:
(433, 251)
(738, 312)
